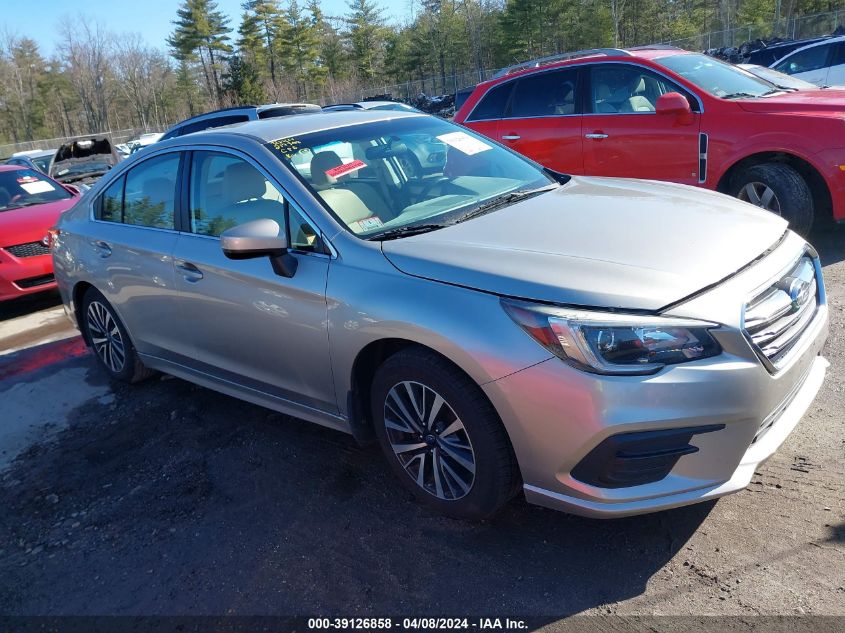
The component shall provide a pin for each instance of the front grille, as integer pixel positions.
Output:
(30, 249)
(776, 318)
(32, 282)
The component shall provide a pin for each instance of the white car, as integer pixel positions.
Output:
(821, 63)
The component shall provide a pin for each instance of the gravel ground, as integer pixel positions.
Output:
(167, 498)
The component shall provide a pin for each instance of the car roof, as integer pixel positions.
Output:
(33, 153)
(828, 40)
(267, 130)
(4, 167)
(650, 52)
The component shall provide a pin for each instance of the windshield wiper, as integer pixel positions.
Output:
(406, 231)
(739, 95)
(501, 201)
(21, 205)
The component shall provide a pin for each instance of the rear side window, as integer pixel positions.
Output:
(146, 196)
(110, 206)
(805, 61)
(838, 57)
(492, 104)
(545, 94)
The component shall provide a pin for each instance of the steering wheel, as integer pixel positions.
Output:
(430, 185)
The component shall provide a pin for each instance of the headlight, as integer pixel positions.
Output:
(609, 343)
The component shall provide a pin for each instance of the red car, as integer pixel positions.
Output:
(30, 204)
(667, 114)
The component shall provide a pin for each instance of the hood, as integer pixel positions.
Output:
(829, 100)
(83, 159)
(30, 224)
(600, 242)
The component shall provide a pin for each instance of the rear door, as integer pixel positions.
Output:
(543, 120)
(130, 251)
(625, 137)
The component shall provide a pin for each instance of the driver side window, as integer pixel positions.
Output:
(227, 191)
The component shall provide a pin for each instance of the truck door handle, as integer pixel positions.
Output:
(597, 135)
(103, 248)
(511, 137)
(189, 271)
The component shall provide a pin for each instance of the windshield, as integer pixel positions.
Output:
(781, 79)
(27, 187)
(43, 162)
(385, 175)
(717, 77)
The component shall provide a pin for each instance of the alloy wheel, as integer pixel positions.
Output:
(761, 195)
(105, 337)
(429, 440)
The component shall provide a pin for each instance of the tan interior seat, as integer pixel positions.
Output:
(351, 201)
(244, 188)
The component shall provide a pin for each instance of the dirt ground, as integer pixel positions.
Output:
(167, 498)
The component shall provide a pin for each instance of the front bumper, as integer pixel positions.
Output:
(556, 415)
(24, 276)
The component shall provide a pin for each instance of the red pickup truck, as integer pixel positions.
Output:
(667, 114)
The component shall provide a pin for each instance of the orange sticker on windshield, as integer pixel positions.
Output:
(348, 168)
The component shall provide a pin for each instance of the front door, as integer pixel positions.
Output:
(543, 121)
(249, 325)
(625, 137)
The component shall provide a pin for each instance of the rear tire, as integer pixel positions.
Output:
(441, 436)
(109, 339)
(778, 188)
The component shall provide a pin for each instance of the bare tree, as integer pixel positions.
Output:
(85, 54)
(142, 73)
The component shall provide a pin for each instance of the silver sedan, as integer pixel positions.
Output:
(608, 347)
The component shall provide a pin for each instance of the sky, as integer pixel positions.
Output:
(39, 19)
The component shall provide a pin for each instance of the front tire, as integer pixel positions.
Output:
(778, 188)
(441, 436)
(109, 339)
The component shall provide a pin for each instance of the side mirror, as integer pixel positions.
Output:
(260, 238)
(675, 104)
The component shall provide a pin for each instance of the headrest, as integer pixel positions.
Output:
(320, 164)
(241, 181)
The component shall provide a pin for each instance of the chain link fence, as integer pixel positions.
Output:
(796, 28)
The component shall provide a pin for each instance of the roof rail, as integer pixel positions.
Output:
(542, 61)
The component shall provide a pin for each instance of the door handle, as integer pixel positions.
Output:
(511, 137)
(102, 247)
(189, 271)
(596, 135)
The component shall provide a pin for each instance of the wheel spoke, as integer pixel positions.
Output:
(751, 193)
(435, 409)
(766, 198)
(463, 461)
(464, 486)
(438, 485)
(417, 403)
(404, 448)
(456, 426)
(402, 412)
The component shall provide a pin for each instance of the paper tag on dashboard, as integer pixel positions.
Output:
(348, 168)
(464, 142)
(39, 186)
(368, 224)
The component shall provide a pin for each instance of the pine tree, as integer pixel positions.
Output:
(367, 36)
(201, 33)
